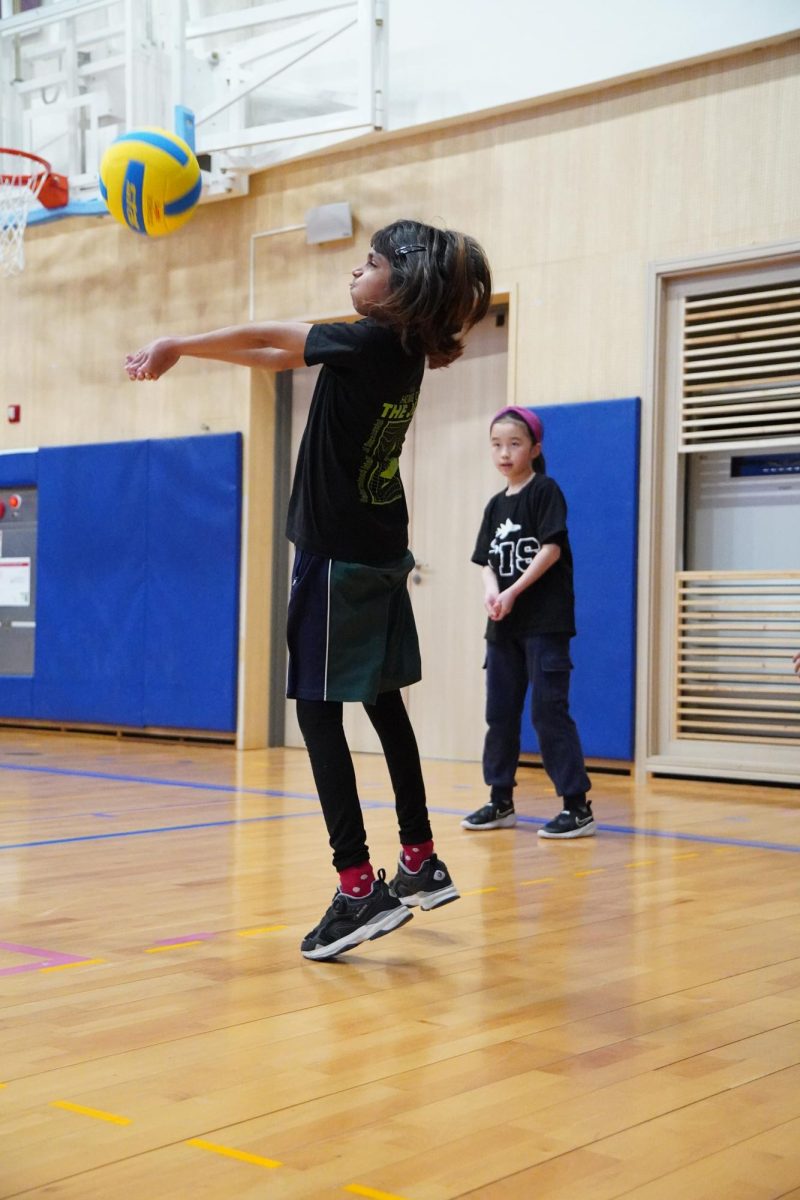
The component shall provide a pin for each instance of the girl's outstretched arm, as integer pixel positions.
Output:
(272, 345)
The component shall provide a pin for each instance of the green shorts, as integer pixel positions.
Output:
(350, 630)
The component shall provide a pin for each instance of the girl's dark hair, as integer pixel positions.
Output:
(441, 285)
(540, 466)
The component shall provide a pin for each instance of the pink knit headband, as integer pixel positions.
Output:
(524, 414)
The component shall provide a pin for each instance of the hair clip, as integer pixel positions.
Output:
(402, 251)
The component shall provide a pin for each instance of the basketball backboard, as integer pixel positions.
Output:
(263, 81)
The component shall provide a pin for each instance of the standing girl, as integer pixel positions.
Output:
(351, 630)
(525, 554)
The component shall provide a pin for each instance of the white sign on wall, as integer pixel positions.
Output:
(15, 582)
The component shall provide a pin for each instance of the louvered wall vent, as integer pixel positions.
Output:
(736, 634)
(741, 366)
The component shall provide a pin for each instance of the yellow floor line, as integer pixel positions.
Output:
(531, 882)
(643, 862)
(229, 1152)
(91, 1112)
(479, 891)
(591, 871)
(174, 946)
(262, 929)
(357, 1190)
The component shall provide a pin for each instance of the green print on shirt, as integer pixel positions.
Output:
(378, 478)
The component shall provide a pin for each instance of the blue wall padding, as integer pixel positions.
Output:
(138, 585)
(592, 451)
(92, 579)
(19, 469)
(191, 635)
(16, 695)
(16, 691)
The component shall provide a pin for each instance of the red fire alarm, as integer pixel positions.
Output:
(13, 412)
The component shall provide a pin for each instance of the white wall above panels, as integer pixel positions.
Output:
(449, 57)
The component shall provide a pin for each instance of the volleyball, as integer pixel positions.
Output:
(150, 181)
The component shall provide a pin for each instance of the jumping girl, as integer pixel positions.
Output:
(351, 631)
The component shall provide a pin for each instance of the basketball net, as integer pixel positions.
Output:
(18, 190)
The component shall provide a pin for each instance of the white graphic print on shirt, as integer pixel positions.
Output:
(508, 555)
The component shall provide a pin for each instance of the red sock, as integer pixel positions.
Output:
(415, 856)
(357, 881)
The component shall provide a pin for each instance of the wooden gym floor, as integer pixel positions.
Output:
(617, 1016)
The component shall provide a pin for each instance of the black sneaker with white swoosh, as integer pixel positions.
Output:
(567, 824)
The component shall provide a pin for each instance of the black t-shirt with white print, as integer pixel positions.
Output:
(513, 529)
(347, 500)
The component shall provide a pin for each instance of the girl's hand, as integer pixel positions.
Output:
(503, 605)
(490, 603)
(153, 360)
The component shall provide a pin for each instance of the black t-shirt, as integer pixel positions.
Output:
(347, 499)
(513, 529)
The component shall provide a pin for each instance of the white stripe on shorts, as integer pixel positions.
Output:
(327, 632)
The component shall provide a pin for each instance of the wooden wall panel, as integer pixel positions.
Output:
(90, 292)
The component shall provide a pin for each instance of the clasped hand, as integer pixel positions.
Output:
(499, 606)
(152, 361)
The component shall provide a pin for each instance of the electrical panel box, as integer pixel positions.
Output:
(742, 513)
(765, 464)
(18, 530)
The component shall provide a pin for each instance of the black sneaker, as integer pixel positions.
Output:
(491, 816)
(350, 921)
(570, 825)
(428, 887)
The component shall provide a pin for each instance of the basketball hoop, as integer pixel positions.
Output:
(20, 185)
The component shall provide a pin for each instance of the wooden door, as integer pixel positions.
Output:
(452, 481)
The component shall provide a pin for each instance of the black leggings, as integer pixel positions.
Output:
(323, 733)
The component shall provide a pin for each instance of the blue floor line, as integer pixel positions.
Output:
(633, 831)
(149, 781)
(124, 833)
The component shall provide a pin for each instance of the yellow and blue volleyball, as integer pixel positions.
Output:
(150, 180)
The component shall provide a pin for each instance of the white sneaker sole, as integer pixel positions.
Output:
(381, 925)
(583, 831)
(429, 900)
(501, 823)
